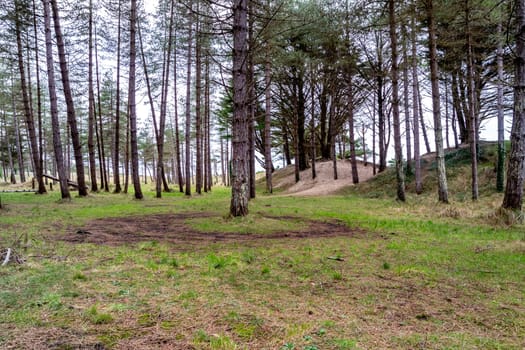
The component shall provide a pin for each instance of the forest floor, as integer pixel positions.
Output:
(318, 272)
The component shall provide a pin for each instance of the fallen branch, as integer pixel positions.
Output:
(337, 258)
(7, 256)
(69, 182)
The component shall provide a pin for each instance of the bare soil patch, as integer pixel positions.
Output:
(324, 183)
(172, 228)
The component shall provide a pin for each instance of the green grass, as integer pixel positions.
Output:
(415, 275)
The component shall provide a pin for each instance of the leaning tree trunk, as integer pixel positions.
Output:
(434, 78)
(513, 198)
(240, 178)
(132, 103)
(27, 109)
(71, 118)
(400, 176)
(55, 124)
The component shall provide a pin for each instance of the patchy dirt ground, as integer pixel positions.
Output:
(172, 228)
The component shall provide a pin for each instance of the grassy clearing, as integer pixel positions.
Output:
(420, 275)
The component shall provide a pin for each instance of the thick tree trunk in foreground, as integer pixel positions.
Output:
(71, 117)
(513, 198)
(240, 178)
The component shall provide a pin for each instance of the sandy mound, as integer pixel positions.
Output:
(324, 183)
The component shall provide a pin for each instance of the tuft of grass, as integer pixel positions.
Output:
(96, 317)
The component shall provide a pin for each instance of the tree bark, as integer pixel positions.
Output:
(312, 125)
(406, 107)
(132, 103)
(27, 109)
(91, 105)
(188, 109)
(513, 199)
(351, 127)
(198, 114)
(500, 169)
(57, 143)
(71, 118)
(471, 107)
(180, 177)
(440, 154)
(268, 125)
(161, 178)
(240, 176)
(415, 107)
(116, 149)
(400, 176)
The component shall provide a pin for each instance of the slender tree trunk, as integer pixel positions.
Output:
(223, 168)
(100, 138)
(240, 176)
(38, 90)
(27, 109)
(132, 103)
(312, 126)
(351, 127)
(18, 143)
(381, 126)
(198, 114)
(440, 154)
(116, 149)
(251, 104)
(161, 178)
(333, 134)
(207, 113)
(126, 155)
(406, 107)
(180, 177)
(9, 150)
(415, 108)
(471, 108)
(513, 199)
(71, 117)
(188, 109)
(91, 105)
(55, 124)
(395, 104)
(268, 125)
(500, 176)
